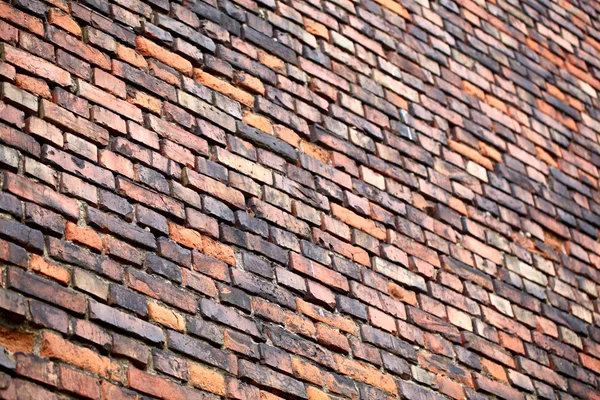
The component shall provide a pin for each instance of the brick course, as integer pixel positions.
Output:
(297, 199)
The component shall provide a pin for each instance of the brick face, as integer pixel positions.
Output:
(386, 199)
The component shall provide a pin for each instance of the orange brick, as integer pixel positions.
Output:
(307, 371)
(495, 370)
(355, 220)
(131, 56)
(473, 90)
(207, 379)
(82, 235)
(34, 85)
(496, 102)
(193, 239)
(249, 82)
(166, 317)
(316, 28)
(272, 62)
(54, 346)
(315, 394)
(450, 388)
(16, 341)
(545, 157)
(365, 373)
(22, 19)
(490, 152)
(258, 121)
(287, 135)
(315, 151)
(150, 49)
(144, 100)
(59, 18)
(38, 264)
(223, 87)
(471, 154)
(395, 7)
(318, 314)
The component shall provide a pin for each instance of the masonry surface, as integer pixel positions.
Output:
(299, 199)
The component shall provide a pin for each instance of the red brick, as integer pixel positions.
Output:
(59, 18)
(32, 24)
(150, 49)
(333, 339)
(36, 368)
(52, 270)
(69, 43)
(157, 386)
(54, 346)
(79, 383)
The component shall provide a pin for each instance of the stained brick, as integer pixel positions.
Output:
(54, 346)
(46, 290)
(201, 351)
(36, 65)
(265, 377)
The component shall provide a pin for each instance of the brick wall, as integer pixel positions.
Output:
(299, 199)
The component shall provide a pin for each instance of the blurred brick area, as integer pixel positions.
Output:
(299, 199)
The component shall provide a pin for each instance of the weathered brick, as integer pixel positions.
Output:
(36, 368)
(36, 65)
(151, 199)
(201, 351)
(46, 290)
(79, 383)
(213, 187)
(229, 317)
(271, 379)
(54, 346)
(118, 319)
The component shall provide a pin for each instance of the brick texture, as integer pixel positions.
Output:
(300, 199)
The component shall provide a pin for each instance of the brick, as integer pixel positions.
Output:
(206, 379)
(18, 97)
(166, 317)
(93, 333)
(218, 200)
(109, 101)
(223, 87)
(202, 352)
(229, 317)
(29, 238)
(79, 383)
(44, 130)
(318, 271)
(265, 377)
(54, 346)
(150, 49)
(130, 349)
(46, 290)
(52, 270)
(67, 42)
(74, 123)
(106, 222)
(59, 18)
(365, 373)
(13, 302)
(496, 388)
(157, 386)
(36, 65)
(320, 315)
(41, 370)
(213, 187)
(151, 199)
(193, 239)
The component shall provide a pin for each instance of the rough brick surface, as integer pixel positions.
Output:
(299, 199)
